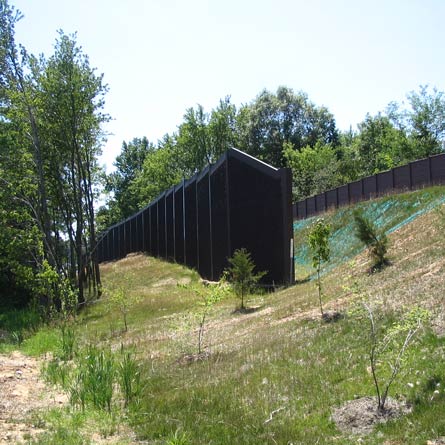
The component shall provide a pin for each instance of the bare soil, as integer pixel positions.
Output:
(360, 416)
(23, 391)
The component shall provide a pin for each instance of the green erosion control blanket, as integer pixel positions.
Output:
(389, 213)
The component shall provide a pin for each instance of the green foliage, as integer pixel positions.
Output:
(161, 170)
(207, 299)
(94, 380)
(427, 121)
(318, 240)
(178, 438)
(375, 240)
(240, 274)
(314, 169)
(388, 348)
(129, 377)
(68, 342)
(129, 164)
(380, 145)
(120, 299)
(48, 170)
(271, 120)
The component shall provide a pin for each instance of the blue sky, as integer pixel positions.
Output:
(160, 57)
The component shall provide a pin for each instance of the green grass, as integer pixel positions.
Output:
(272, 376)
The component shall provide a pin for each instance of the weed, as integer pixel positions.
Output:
(178, 438)
(57, 372)
(129, 377)
(94, 380)
(68, 342)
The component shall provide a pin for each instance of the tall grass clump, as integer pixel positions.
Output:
(129, 377)
(94, 379)
(68, 342)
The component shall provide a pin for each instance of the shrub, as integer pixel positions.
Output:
(388, 349)
(375, 240)
(319, 244)
(240, 274)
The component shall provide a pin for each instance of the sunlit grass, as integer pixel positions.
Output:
(273, 375)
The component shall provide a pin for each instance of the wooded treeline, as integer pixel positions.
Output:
(284, 129)
(50, 138)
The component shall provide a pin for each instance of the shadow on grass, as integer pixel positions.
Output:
(247, 310)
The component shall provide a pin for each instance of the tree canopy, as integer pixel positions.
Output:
(50, 138)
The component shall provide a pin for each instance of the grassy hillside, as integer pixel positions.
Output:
(275, 374)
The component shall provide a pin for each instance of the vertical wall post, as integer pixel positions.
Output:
(184, 221)
(210, 224)
(287, 226)
(229, 232)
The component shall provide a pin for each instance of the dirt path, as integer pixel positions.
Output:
(22, 391)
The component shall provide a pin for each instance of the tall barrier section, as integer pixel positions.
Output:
(237, 202)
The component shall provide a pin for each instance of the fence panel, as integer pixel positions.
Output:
(301, 209)
(162, 251)
(179, 223)
(256, 216)
(221, 245)
(420, 173)
(320, 201)
(356, 191)
(169, 225)
(343, 195)
(205, 266)
(191, 228)
(438, 169)
(385, 183)
(402, 177)
(154, 231)
(331, 198)
(369, 187)
(311, 206)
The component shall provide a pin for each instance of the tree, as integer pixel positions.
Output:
(51, 109)
(264, 125)
(72, 97)
(380, 145)
(121, 300)
(240, 274)
(314, 169)
(427, 120)
(319, 245)
(129, 164)
(388, 350)
(160, 171)
(193, 141)
(222, 128)
(376, 241)
(207, 300)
